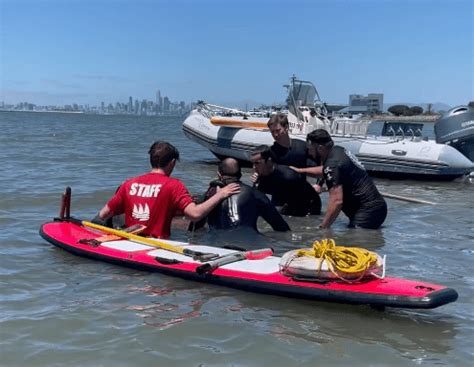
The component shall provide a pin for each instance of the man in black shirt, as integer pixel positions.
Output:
(350, 188)
(289, 152)
(244, 208)
(287, 187)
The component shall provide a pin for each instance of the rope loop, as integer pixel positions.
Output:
(343, 262)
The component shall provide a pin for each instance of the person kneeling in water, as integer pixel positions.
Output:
(242, 209)
(350, 187)
(154, 198)
(288, 188)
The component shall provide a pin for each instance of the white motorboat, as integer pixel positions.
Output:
(397, 152)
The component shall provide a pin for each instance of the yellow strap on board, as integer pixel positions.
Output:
(135, 238)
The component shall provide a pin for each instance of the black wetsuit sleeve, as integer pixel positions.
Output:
(270, 214)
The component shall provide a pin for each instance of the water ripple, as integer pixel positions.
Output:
(57, 309)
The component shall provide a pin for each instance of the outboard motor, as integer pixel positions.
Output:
(456, 128)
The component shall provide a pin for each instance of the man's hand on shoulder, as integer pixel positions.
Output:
(229, 190)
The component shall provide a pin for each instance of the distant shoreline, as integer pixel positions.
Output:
(94, 113)
(75, 112)
(421, 118)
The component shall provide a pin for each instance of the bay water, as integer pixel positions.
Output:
(58, 309)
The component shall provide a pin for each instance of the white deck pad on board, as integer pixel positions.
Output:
(131, 246)
(180, 257)
(127, 246)
(267, 265)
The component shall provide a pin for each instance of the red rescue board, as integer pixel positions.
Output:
(255, 275)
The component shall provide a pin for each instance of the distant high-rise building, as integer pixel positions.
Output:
(166, 104)
(143, 106)
(130, 104)
(137, 107)
(150, 107)
(159, 102)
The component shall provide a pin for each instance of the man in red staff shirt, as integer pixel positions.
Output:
(153, 199)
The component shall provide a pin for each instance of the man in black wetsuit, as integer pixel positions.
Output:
(288, 188)
(244, 208)
(289, 152)
(350, 188)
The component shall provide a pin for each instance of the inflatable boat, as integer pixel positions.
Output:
(258, 271)
(397, 152)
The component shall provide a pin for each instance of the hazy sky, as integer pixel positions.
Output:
(58, 52)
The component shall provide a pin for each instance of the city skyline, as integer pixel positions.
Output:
(161, 105)
(237, 52)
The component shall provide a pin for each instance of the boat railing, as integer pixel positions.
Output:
(210, 110)
(398, 131)
(415, 134)
(402, 133)
(392, 131)
(205, 111)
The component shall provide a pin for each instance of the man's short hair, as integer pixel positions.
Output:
(265, 152)
(161, 153)
(319, 136)
(229, 167)
(278, 118)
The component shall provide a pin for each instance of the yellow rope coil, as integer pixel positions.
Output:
(340, 259)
